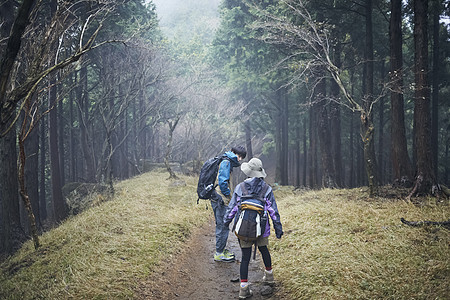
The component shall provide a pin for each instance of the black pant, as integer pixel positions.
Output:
(246, 255)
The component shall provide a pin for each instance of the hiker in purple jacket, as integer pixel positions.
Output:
(253, 185)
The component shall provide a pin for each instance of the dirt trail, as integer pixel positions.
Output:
(193, 274)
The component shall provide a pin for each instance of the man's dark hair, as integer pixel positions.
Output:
(239, 150)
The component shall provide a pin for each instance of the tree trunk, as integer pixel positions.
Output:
(42, 168)
(305, 152)
(447, 168)
(328, 174)
(281, 137)
(9, 54)
(124, 151)
(32, 171)
(367, 135)
(367, 127)
(60, 122)
(59, 206)
(114, 168)
(381, 176)
(136, 131)
(297, 151)
(106, 162)
(351, 180)
(21, 176)
(425, 179)
(312, 158)
(86, 146)
(9, 196)
(401, 163)
(361, 169)
(143, 129)
(248, 140)
(278, 143)
(285, 138)
(172, 126)
(72, 150)
(114, 163)
(435, 94)
(335, 122)
(157, 144)
(11, 234)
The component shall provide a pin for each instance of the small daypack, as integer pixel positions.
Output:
(208, 175)
(252, 219)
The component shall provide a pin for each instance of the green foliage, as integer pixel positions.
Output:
(246, 63)
(189, 27)
(133, 18)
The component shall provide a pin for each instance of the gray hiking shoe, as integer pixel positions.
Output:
(228, 253)
(245, 292)
(268, 277)
(225, 257)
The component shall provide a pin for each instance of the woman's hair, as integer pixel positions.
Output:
(239, 150)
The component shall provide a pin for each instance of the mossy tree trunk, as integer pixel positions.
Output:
(367, 135)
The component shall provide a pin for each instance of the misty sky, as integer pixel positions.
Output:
(169, 8)
(184, 17)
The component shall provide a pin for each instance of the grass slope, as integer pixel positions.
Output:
(337, 245)
(340, 245)
(104, 252)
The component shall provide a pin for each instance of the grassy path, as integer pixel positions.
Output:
(193, 273)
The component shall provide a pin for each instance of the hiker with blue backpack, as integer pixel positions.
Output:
(251, 205)
(220, 168)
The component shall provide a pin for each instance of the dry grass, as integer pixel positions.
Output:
(338, 245)
(103, 252)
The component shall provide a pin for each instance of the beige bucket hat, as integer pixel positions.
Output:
(253, 168)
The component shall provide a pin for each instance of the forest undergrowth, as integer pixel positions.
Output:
(338, 244)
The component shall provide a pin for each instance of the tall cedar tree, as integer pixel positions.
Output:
(425, 179)
(401, 164)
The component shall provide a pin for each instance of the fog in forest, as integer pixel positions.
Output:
(182, 20)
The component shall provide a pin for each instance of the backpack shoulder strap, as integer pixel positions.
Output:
(220, 159)
(244, 189)
(259, 196)
(263, 191)
(224, 157)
